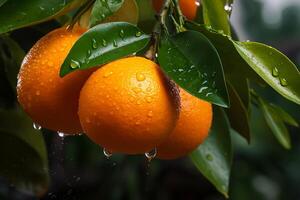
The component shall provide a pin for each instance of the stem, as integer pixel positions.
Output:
(80, 12)
(180, 15)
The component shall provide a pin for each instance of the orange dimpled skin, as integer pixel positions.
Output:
(188, 7)
(48, 99)
(192, 128)
(126, 106)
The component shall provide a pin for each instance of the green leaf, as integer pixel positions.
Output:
(2, 2)
(22, 153)
(274, 67)
(13, 60)
(235, 67)
(102, 44)
(194, 64)
(213, 158)
(103, 9)
(16, 14)
(275, 123)
(215, 15)
(286, 117)
(238, 114)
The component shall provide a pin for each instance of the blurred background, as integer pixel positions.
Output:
(77, 168)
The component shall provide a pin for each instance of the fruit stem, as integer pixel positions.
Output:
(80, 12)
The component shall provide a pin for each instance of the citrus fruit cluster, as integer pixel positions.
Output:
(126, 106)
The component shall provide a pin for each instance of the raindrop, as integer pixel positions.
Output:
(74, 64)
(208, 94)
(36, 126)
(122, 33)
(151, 154)
(115, 44)
(209, 157)
(61, 134)
(228, 8)
(283, 82)
(107, 74)
(156, 55)
(180, 70)
(138, 34)
(94, 44)
(202, 89)
(140, 77)
(149, 99)
(107, 153)
(104, 43)
(275, 72)
(150, 114)
(197, 3)
(88, 53)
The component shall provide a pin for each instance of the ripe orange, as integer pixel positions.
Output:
(49, 100)
(191, 129)
(188, 7)
(128, 106)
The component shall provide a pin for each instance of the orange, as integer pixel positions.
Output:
(192, 128)
(188, 7)
(49, 100)
(128, 106)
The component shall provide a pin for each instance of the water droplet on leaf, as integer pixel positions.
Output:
(275, 72)
(209, 157)
(74, 64)
(115, 44)
(283, 82)
(138, 34)
(94, 44)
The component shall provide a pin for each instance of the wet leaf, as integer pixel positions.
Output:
(103, 9)
(102, 44)
(213, 158)
(274, 67)
(215, 15)
(16, 14)
(275, 123)
(286, 117)
(238, 114)
(194, 64)
(22, 153)
(234, 65)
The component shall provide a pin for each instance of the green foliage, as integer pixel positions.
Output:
(16, 14)
(215, 16)
(274, 67)
(22, 153)
(102, 44)
(213, 158)
(193, 63)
